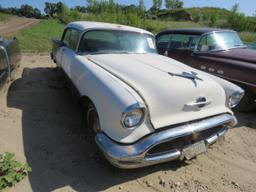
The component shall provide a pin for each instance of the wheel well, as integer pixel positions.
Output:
(84, 101)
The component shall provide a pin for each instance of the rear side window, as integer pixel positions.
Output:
(71, 38)
(163, 41)
(177, 41)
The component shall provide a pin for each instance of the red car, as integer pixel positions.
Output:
(216, 51)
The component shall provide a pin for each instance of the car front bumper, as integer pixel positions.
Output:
(129, 156)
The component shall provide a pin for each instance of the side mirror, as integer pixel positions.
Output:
(59, 43)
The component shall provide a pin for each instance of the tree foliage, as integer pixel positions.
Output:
(157, 4)
(173, 4)
(142, 5)
(24, 10)
(238, 21)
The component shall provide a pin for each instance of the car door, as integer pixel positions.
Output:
(66, 53)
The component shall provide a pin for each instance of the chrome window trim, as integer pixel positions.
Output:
(216, 50)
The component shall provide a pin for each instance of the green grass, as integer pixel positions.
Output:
(38, 38)
(248, 37)
(4, 17)
(155, 26)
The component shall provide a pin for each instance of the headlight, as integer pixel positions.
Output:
(235, 98)
(133, 116)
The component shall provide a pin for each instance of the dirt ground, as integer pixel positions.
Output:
(16, 24)
(42, 125)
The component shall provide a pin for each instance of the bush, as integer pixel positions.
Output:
(212, 20)
(66, 15)
(239, 22)
(176, 15)
(11, 171)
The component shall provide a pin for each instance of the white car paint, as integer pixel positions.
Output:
(116, 81)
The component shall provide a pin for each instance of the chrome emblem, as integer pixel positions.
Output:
(192, 76)
(196, 105)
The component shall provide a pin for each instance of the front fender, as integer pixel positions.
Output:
(229, 88)
(110, 96)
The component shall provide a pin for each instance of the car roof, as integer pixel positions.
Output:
(88, 25)
(192, 31)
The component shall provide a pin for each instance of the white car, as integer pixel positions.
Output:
(144, 108)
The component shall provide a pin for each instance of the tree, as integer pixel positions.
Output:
(26, 10)
(173, 4)
(91, 2)
(50, 8)
(81, 9)
(169, 4)
(142, 5)
(157, 4)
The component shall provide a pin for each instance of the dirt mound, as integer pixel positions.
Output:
(16, 24)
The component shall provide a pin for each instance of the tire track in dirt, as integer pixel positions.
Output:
(16, 24)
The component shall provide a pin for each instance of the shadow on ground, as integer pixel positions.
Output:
(246, 119)
(56, 146)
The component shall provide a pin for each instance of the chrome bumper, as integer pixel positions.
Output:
(135, 155)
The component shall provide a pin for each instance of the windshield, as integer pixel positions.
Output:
(116, 41)
(219, 41)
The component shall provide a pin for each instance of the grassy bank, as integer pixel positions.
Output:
(5, 17)
(38, 38)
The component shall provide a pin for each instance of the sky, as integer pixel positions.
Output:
(246, 6)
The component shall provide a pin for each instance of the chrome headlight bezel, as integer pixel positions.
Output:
(235, 98)
(133, 109)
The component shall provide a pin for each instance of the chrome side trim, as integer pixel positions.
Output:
(135, 155)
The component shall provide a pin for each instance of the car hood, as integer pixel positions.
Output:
(246, 55)
(167, 96)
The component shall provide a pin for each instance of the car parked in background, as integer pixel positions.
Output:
(216, 51)
(10, 57)
(144, 108)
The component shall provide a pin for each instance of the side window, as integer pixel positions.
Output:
(74, 38)
(206, 43)
(66, 37)
(71, 38)
(182, 42)
(163, 41)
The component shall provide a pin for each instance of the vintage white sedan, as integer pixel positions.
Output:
(144, 108)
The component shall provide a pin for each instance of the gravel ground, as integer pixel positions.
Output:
(43, 126)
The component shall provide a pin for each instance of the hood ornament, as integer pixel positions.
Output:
(192, 76)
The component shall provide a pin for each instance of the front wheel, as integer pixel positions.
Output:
(92, 118)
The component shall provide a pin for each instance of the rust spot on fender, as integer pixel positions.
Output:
(130, 150)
